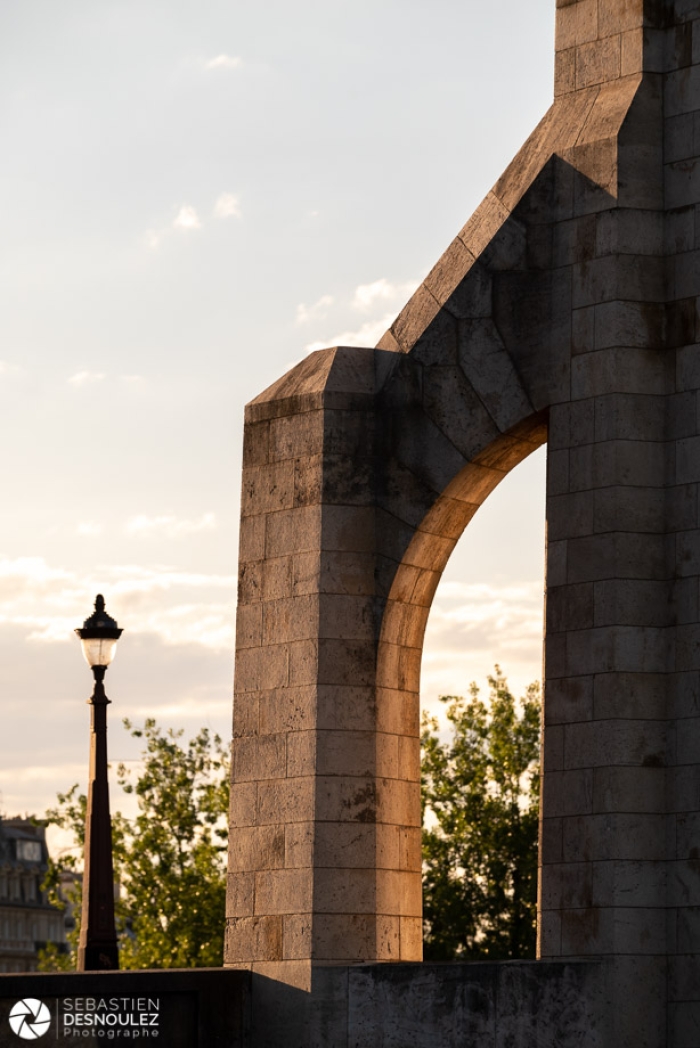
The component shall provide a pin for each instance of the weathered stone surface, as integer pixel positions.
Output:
(567, 310)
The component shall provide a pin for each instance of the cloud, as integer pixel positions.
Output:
(152, 239)
(187, 218)
(472, 626)
(89, 528)
(9, 369)
(227, 206)
(306, 314)
(367, 335)
(382, 291)
(168, 526)
(180, 607)
(224, 62)
(367, 298)
(133, 381)
(85, 378)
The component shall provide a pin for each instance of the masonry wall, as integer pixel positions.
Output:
(565, 310)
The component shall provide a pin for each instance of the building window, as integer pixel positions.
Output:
(30, 889)
(29, 851)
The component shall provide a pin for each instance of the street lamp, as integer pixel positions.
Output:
(97, 948)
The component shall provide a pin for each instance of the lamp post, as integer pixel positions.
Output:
(97, 948)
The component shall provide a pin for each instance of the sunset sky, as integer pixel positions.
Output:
(194, 196)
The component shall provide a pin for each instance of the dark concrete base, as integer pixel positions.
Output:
(522, 1004)
(197, 1008)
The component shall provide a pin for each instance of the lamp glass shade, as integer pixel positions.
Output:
(98, 651)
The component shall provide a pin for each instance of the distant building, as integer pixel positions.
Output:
(27, 921)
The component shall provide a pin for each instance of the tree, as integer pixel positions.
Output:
(169, 861)
(480, 796)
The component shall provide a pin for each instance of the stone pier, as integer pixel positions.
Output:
(565, 311)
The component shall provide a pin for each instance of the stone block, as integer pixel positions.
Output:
(285, 800)
(632, 602)
(616, 556)
(399, 892)
(300, 845)
(583, 330)
(297, 936)
(684, 1024)
(616, 835)
(256, 848)
(683, 788)
(259, 668)
(630, 695)
(551, 841)
(640, 509)
(288, 709)
(303, 662)
(346, 891)
(293, 531)
(598, 62)
(301, 751)
(620, 370)
(295, 435)
(688, 741)
(576, 24)
(601, 744)
(558, 472)
(240, 894)
(687, 647)
(267, 489)
(398, 802)
(249, 626)
(568, 700)
(568, 792)
(243, 806)
(451, 269)
(252, 538)
(629, 789)
(587, 931)
(567, 885)
(483, 225)
(684, 883)
(346, 708)
(347, 937)
(410, 938)
(569, 516)
(346, 753)
(549, 934)
(564, 71)
(569, 608)
(246, 715)
(355, 846)
(283, 891)
(415, 318)
(276, 579)
(553, 749)
(251, 939)
(250, 582)
(472, 298)
(630, 230)
(491, 371)
(682, 89)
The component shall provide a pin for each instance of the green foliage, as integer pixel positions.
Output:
(170, 861)
(480, 795)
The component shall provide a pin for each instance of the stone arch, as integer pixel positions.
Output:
(559, 312)
(405, 615)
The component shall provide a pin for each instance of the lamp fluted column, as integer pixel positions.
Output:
(97, 949)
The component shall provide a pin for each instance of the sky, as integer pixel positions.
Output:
(194, 196)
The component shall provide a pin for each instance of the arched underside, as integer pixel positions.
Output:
(408, 604)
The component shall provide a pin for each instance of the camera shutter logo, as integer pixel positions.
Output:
(30, 1019)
